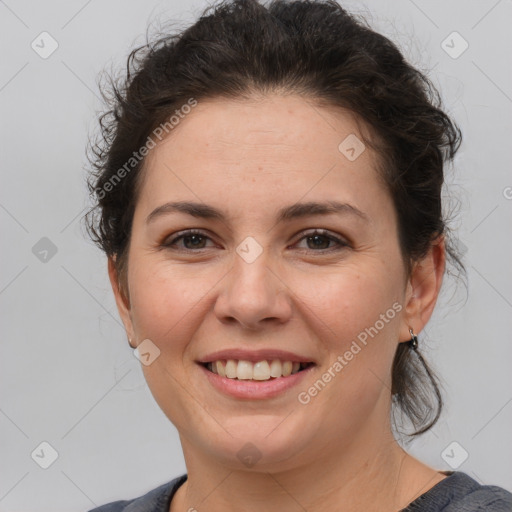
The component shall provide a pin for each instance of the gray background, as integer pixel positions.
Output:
(68, 376)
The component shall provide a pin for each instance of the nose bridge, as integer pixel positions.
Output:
(252, 293)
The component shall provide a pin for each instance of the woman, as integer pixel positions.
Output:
(268, 195)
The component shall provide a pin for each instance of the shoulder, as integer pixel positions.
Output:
(484, 498)
(156, 500)
(461, 493)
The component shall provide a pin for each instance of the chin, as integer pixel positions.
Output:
(259, 443)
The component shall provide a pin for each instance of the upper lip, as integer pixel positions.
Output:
(254, 355)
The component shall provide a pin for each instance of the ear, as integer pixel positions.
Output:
(122, 301)
(423, 289)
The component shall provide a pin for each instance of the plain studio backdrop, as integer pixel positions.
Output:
(68, 377)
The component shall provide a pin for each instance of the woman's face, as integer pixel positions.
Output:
(256, 281)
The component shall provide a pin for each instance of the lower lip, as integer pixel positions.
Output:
(253, 389)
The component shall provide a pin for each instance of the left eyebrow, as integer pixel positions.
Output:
(287, 213)
(314, 208)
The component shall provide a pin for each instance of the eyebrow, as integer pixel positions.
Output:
(294, 211)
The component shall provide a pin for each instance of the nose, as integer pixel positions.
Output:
(253, 295)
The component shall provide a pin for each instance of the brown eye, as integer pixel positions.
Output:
(319, 240)
(191, 239)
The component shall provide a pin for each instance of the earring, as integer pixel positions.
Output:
(413, 342)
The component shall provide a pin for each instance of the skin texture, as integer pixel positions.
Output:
(249, 158)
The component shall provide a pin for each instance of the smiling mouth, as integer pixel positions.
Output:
(260, 371)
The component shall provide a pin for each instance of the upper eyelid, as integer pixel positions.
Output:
(187, 232)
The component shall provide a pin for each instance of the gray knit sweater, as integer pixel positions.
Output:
(456, 493)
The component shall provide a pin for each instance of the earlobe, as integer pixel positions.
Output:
(423, 289)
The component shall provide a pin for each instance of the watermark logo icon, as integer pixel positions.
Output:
(249, 249)
(44, 455)
(44, 250)
(351, 147)
(44, 45)
(454, 45)
(249, 455)
(454, 455)
(146, 352)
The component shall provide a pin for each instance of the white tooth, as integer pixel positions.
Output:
(287, 368)
(244, 370)
(220, 368)
(261, 371)
(231, 367)
(275, 368)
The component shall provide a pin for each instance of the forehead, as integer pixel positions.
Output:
(265, 151)
(275, 125)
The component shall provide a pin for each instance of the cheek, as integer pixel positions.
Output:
(349, 301)
(166, 301)
(355, 316)
(167, 305)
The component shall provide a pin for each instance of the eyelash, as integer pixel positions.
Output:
(317, 232)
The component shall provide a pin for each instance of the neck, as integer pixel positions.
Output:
(371, 472)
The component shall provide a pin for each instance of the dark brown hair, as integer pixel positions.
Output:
(241, 48)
